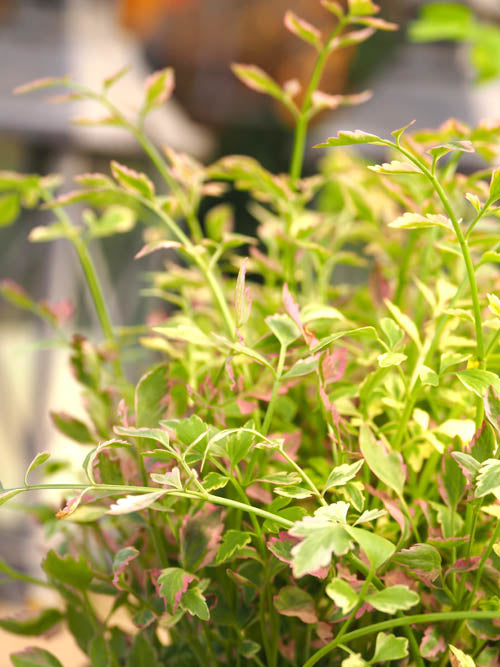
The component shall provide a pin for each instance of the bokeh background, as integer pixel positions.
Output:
(211, 114)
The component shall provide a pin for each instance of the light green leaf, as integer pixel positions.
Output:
(255, 78)
(395, 167)
(10, 207)
(301, 367)
(284, 328)
(303, 30)
(342, 594)
(478, 381)
(37, 461)
(214, 481)
(342, 474)
(170, 479)
(157, 434)
(420, 557)
(115, 220)
(389, 647)
(377, 549)
(386, 465)
(442, 20)
(150, 395)
(463, 659)
(391, 359)
(174, 582)
(193, 601)
(312, 313)
(354, 660)
(159, 88)
(404, 322)
(351, 138)
(232, 542)
(185, 331)
(133, 181)
(494, 304)
(362, 7)
(418, 221)
(369, 515)
(495, 186)
(393, 599)
(361, 331)
(488, 478)
(428, 376)
(392, 331)
(298, 492)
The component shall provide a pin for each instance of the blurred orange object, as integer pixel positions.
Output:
(142, 15)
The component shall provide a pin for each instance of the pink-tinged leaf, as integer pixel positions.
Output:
(121, 562)
(62, 310)
(333, 365)
(255, 492)
(465, 565)
(200, 536)
(230, 372)
(287, 649)
(292, 88)
(159, 88)
(135, 503)
(377, 23)
(173, 583)
(293, 601)
(380, 287)
(324, 632)
(246, 407)
(133, 181)
(321, 100)
(243, 298)
(38, 84)
(303, 30)
(281, 548)
(392, 506)
(255, 78)
(351, 38)
(292, 307)
(73, 504)
(157, 245)
(433, 643)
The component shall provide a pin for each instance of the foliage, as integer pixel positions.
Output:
(307, 473)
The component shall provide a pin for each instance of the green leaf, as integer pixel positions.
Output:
(157, 434)
(324, 534)
(395, 167)
(492, 408)
(67, 570)
(418, 221)
(150, 395)
(420, 557)
(255, 78)
(463, 659)
(360, 331)
(232, 541)
(159, 88)
(194, 602)
(72, 427)
(348, 138)
(494, 304)
(488, 478)
(495, 186)
(393, 599)
(377, 549)
(171, 479)
(385, 464)
(249, 648)
(37, 461)
(35, 624)
(10, 208)
(133, 181)
(142, 653)
(115, 220)
(304, 30)
(34, 657)
(238, 444)
(362, 7)
(389, 647)
(99, 652)
(300, 368)
(442, 21)
(342, 474)
(284, 328)
(428, 376)
(479, 381)
(174, 582)
(298, 492)
(342, 594)
(404, 322)
(80, 627)
(369, 515)
(453, 480)
(214, 481)
(392, 331)
(293, 601)
(391, 359)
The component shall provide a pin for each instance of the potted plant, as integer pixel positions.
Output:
(307, 473)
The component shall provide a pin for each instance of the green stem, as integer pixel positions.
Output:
(276, 386)
(304, 476)
(399, 623)
(303, 119)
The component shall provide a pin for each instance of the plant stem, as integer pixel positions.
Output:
(276, 386)
(398, 623)
(303, 119)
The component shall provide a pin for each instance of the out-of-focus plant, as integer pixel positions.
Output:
(309, 474)
(455, 22)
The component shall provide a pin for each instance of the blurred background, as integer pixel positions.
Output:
(212, 114)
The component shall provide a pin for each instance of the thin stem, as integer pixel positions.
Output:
(303, 119)
(274, 394)
(304, 476)
(398, 623)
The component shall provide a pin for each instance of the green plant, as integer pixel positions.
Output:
(308, 473)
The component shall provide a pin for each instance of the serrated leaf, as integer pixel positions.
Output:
(391, 359)
(67, 570)
(393, 599)
(171, 479)
(420, 557)
(488, 478)
(232, 542)
(385, 464)
(34, 657)
(351, 138)
(362, 7)
(174, 582)
(342, 594)
(214, 481)
(303, 29)
(295, 602)
(194, 602)
(37, 461)
(395, 167)
(133, 181)
(418, 221)
(389, 647)
(342, 474)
